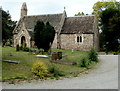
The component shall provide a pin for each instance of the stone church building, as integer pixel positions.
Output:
(79, 33)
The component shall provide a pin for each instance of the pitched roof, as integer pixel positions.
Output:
(53, 19)
(30, 21)
(30, 31)
(81, 24)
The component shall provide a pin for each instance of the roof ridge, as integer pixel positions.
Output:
(80, 16)
(43, 15)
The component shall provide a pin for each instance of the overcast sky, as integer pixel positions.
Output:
(37, 7)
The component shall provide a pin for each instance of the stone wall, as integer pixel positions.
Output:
(17, 37)
(96, 34)
(69, 41)
(54, 45)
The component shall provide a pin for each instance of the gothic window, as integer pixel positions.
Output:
(79, 39)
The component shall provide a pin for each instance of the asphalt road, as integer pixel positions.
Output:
(103, 76)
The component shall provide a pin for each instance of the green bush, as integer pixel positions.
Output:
(93, 56)
(55, 71)
(17, 48)
(84, 62)
(40, 69)
(26, 49)
(20, 48)
(119, 49)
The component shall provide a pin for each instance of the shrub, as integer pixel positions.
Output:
(17, 48)
(55, 71)
(84, 62)
(93, 56)
(119, 49)
(20, 48)
(26, 49)
(40, 69)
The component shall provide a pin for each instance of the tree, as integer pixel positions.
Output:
(43, 35)
(7, 26)
(48, 36)
(110, 20)
(38, 30)
(100, 6)
(80, 14)
(107, 13)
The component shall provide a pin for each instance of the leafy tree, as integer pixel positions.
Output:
(108, 16)
(99, 6)
(43, 35)
(7, 26)
(110, 20)
(80, 14)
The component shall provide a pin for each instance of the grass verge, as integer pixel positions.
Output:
(23, 69)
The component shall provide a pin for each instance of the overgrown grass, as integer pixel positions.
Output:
(23, 69)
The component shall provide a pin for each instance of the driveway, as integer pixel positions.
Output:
(103, 76)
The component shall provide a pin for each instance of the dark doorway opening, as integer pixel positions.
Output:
(23, 42)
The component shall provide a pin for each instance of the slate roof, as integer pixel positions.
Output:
(30, 21)
(72, 25)
(30, 31)
(53, 19)
(77, 25)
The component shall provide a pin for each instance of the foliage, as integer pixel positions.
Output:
(18, 48)
(21, 48)
(110, 20)
(99, 6)
(93, 56)
(26, 49)
(80, 14)
(7, 26)
(55, 71)
(84, 62)
(40, 69)
(119, 49)
(43, 35)
(39, 28)
(10, 70)
(108, 13)
(49, 35)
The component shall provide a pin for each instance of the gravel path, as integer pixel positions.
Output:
(103, 76)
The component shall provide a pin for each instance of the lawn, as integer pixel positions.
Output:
(23, 69)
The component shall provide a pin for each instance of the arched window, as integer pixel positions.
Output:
(79, 39)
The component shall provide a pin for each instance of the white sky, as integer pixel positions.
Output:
(37, 7)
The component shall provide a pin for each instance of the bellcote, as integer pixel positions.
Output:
(23, 10)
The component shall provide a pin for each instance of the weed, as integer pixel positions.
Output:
(12, 82)
(55, 71)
